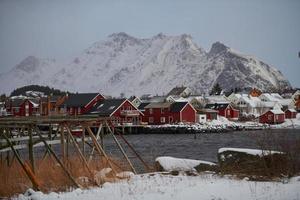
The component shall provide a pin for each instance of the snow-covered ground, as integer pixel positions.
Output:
(223, 123)
(220, 124)
(158, 186)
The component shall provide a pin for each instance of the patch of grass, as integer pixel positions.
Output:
(50, 175)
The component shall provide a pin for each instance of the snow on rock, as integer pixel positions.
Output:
(101, 176)
(254, 152)
(133, 66)
(204, 187)
(125, 174)
(179, 164)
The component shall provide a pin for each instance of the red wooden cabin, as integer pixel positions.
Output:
(272, 117)
(168, 113)
(120, 111)
(290, 113)
(224, 109)
(23, 107)
(80, 103)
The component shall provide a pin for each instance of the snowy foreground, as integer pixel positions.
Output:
(158, 186)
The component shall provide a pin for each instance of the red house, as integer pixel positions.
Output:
(23, 107)
(80, 103)
(272, 117)
(168, 113)
(290, 113)
(224, 109)
(120, 111)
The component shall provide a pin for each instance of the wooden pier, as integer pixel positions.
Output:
(24, 133)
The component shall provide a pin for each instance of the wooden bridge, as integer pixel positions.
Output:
(25, 133)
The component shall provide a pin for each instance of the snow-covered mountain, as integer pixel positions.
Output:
(125, 64)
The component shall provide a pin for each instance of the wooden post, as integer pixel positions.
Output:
(97, 137)
(102, 138)
(83, 141)
(30, 149)
(132, 149)
(62, 140)
(27, 170)
(57, 159)
(99, 148)
(79, 151)
(120, 147)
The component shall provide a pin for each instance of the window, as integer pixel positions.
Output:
(228, 112)
(162, 111)
(270, 117)
(151, 120)
(150, 110)
(163, 120)
(277, 117)
(79, 110)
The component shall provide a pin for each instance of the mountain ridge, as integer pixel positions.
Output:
(126, 64)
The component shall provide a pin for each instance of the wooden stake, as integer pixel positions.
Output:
(97, 137)
(27, 170)
(57, 159)
(79, 151)
(62, 140)
(30, 149)
(120, 147)
(137, 155)
(99, 148)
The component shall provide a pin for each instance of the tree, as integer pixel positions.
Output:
(216, 90)
(2, 97)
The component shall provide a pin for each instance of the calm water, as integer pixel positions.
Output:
(201, 146)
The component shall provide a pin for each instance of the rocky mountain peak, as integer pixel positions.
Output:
(218, 48)
(29, 64)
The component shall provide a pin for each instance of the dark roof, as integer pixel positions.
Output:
(106, 107)
(177, 106)
(177, 91)
(216, 106)
(142, 106)
(79, 99)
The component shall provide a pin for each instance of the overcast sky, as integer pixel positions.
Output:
(61, 29)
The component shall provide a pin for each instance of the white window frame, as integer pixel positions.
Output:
(150, 111)
(162, 120)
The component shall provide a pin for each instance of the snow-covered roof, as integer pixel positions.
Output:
(291, 110)
(277, 111)
(217, 99)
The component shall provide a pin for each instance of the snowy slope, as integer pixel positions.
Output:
(123, 63)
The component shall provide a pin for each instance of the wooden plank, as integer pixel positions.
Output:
(57, 159)
(62, 139)
(97, 137)
(148, 169)
(99, 148)
(30, 149)
(26, 169)
(79, 151)
(120, 147)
